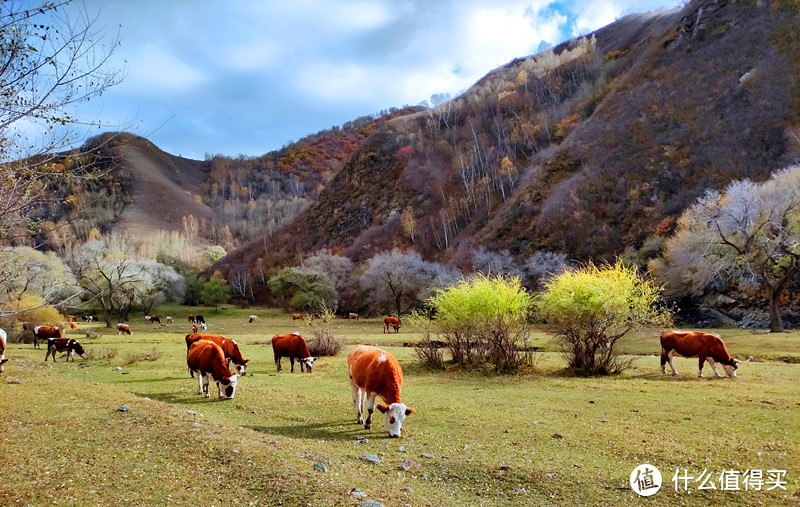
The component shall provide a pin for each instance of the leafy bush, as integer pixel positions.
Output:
(483, 321)
(27, 309)
(591, 308)
(303, 289)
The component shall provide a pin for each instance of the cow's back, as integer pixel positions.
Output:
(204, 355)
(691, 343)
(375, 370)
(290, 345)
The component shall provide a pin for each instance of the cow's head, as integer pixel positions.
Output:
(241, 369)
(308, 362)
(730, 369)
(78, 349)
(227, 388)
(394, 415)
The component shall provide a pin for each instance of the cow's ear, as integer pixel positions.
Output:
(410, 411)
(245, 361)
(383, 408)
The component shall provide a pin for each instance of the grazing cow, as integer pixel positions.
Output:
(70, 318)
(375, 372)
(147, 318)
(352, 316)
(705, 346)
(203, 326)
(199, 319)
(45, 332)
(124, 329)
(294, 347)
(194, 328)
(73, 325)
(229, 347)
(192, 320)
(154, 319)
(391, 322)
(207, 360)
(253, 318)
(68, 345)
(169, 319)
(3, 339)
(297, 316)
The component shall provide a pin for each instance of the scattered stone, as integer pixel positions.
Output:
(401, 449)
(406, 465)
(604, 420)
(505, 466)
(191, 412)
(577, 465)
(369, 503)
(550, 476)
(558, 435)
(362, 439)
(407, 490)
(591, 401)
(519, 491)
(13, 381)
(371, 458)
(426, 455)
(119, 368)
(320, 466)
(124, 408)
(357, 493)
(146, 398)
(507, 431)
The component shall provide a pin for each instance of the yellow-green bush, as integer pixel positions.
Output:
(27, 309)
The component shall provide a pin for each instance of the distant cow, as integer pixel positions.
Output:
(199, 319)
(352, 316)
(391, 322)
(89, 318)
(207, 360)
(68, 345)
(203, 326)
(192, 320)
(45, 332)
(294, 347)
(147, 318)
(297, 316)
(154, 319)
(70, 318)
(124, 329)
(253, 318)
(169, 319)
(229, 347)
(375, 372)
(195, 327)
(3, 339)
(705, 346)
(73, 325)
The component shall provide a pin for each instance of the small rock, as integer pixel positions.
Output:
(426, 455)
(191, 412)
(407, 490)
(401, 449)
(320, 466)
(604, 420)
(357, 493)
(119, 367)
(505, 466)
(558, 435)
(550, 476)
(13, 381)
(146, 398)
(362, 440)
(124, 408)
(507, 431)
(591, 401)
(369, 503)
(371, 458)
(519, 491)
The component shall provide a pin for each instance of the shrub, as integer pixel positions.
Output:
(591, 308)
(106, 354)
(428, 350)
(483, 321)
(322, 342)
(17, 311)
(153, 355)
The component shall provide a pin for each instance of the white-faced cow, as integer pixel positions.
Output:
(70, 346)
(705, 346)
(42, 333)
(391, 322)
(253, 318)
(294, 347)
(375, 372)
(229, 347)
(147, 318)
(207, 360)
(169, 319)
(352, 316)
(124, 329)
(3, 339)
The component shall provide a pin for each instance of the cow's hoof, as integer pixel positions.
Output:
(367, 426)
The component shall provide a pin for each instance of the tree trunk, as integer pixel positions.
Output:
(775, 323)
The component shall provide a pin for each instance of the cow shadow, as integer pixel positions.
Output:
(339, 430)
(181, 398)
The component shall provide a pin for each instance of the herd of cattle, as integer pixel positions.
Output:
(372, 371)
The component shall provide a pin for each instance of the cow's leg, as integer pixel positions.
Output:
(200, 380)
(671, 356)
(206, 382)
(702, 360)
(302, 366)
(278, 362)
(291, 360)
(713, 366)
(384, 328)
(357, 402)
(664, 359)
(370, 409)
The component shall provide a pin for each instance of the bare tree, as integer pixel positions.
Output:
(747, 237)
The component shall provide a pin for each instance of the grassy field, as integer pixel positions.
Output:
(537, 439)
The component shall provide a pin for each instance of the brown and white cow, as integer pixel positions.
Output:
(352, 316)
(68, 345)
(705, 346)
(169, 319)
(294, 347)
(229, 347)
(3, 360)
(124, 329)
(297, 316)
(44, 333)
(375, 372)
(391, 322)
(195, 327)
(73, 325)
(155, 319)
(207, 360)
(192, 320)
(253, 318)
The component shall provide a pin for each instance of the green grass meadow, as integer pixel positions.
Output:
(543, 438)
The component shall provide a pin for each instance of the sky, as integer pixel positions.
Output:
(247, 77)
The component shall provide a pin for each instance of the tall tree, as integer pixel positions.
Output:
(747, 238)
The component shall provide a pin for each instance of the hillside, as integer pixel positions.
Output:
(591, 148)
